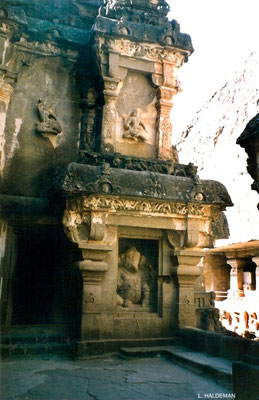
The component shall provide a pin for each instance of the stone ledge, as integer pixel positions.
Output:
(215, 368)
(84, 348)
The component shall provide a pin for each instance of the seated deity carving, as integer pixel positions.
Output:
(135, 129)
(135, 279)
(48, 121)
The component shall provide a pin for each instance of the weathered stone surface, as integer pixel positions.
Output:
(57, 20)
(30, 153)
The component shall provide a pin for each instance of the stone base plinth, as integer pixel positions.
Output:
(83, 349)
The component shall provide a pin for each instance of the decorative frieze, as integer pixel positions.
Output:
(142, 206)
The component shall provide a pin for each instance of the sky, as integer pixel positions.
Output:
(224, 33)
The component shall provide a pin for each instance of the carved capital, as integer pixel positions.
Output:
(170, 76)
(82, 224)
(111, 87)
(175, 238)
(192, 232)
(97, 226)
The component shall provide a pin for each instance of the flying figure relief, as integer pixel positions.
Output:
(48, 121)
(135, 129)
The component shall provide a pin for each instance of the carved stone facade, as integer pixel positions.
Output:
(87, 148)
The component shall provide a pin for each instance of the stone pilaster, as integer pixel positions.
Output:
(186, 273)
(109, 116)
(164, 125)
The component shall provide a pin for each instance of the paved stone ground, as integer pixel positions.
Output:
(110, 377)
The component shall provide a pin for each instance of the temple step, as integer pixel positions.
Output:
(34, 340)
(216, 368)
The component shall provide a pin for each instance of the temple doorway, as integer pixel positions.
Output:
(43, 290)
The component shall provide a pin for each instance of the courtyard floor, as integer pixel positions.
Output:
(109, 377)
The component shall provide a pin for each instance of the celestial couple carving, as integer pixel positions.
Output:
(135, 279)
(134, 128)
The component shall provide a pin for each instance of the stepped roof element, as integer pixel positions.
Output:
(142, 20)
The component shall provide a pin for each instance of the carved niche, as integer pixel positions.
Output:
(137, 115)
(137, 275)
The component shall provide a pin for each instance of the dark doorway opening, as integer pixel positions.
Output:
(41, 287)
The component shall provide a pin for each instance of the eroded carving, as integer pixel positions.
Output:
(117, 160)
(48, 121)
(135, 129)
(154, 187)
(135, 277)
(150, 52)
(105, 183)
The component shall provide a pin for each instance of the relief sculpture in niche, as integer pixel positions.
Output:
(136, 279)
(48, 121)
(134, 128)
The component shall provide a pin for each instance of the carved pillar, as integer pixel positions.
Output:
(236, 276)
(88, 230)
(217, 275)
(186, 273)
